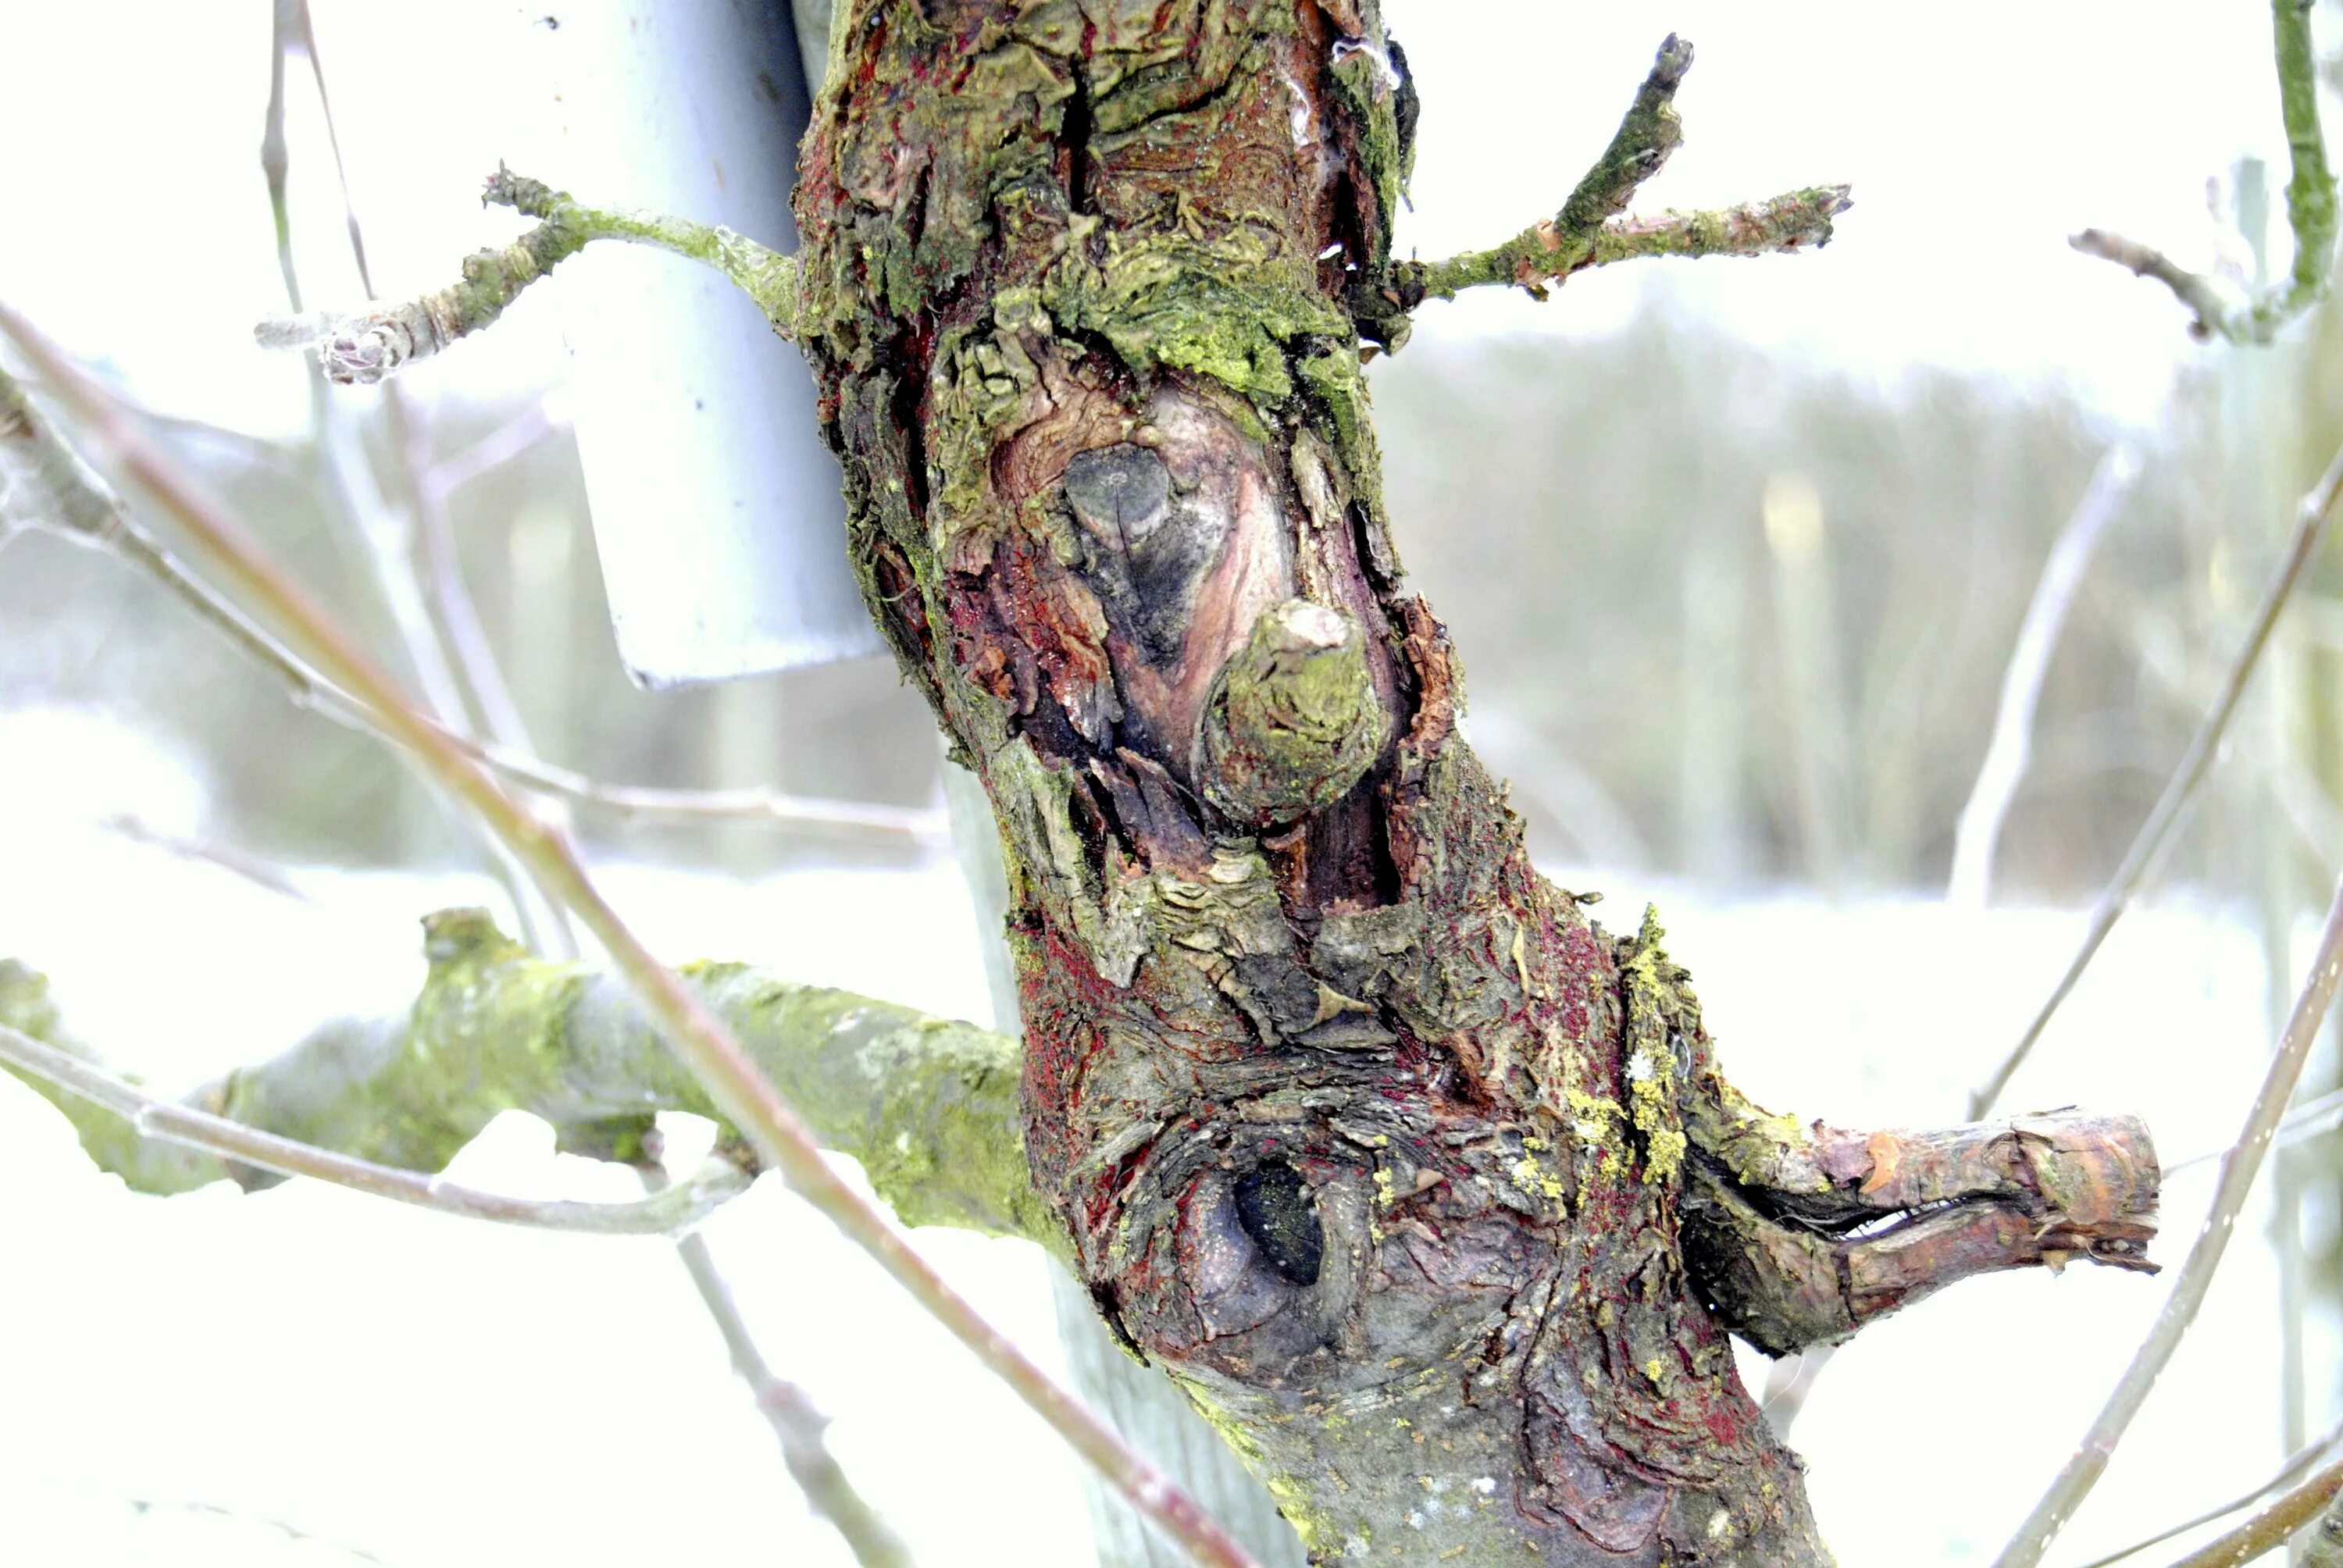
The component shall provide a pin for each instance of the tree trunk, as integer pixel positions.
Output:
(1425, 1189)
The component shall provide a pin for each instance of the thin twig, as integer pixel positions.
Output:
(796, 1421)
(146, 1506)
(2008, 753)
(2238, 1167)
(364, 346)
(2217, 310)
(492, 451)
(1590, 230)
(2305, 1122)
(2310, 527)
(2269, 1530)
(1789, 1383)
(454, 688)
(306, 27)
(260, 873)
(53, 488)
(2296, 1465)
(676, 1212)
(738, 1091)
(275, 161)
(1791, 1380)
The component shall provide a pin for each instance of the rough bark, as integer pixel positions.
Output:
(1426, 1189)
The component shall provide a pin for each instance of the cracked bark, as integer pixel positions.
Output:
(1422, 1187)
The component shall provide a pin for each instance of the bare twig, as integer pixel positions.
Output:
(251, 867)
(43, 483)
(2296, 1465)
(2305, 1122)
(2218, 311)
(146, 1506)
(364, 347)
(1590, 230)
(738, 1092)
(492, 451)
(675, 1212)
(2006, 755)
(796, 1421)
(274, 161)
(306, 29)
(2310, 525)
(387, 539)
(1791, 1380)
(2238, 1167)
(2269, 1530)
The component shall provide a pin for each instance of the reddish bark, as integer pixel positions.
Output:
(1420, 1184)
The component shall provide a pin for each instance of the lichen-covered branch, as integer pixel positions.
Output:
(364, 346)
(1548, 253)
(1424, 1188)
(683, 1020)
(1590, 230)
(2218, 309)
(162, 1146)
(928, 1107)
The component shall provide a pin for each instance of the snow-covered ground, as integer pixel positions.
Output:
(189, 1381)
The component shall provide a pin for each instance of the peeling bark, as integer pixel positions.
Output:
(1426, 1189)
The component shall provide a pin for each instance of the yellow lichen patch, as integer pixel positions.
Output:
(1533, 1177)
(1596, 1120)
(1649, 1002)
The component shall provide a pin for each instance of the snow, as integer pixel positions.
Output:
(182, 1381)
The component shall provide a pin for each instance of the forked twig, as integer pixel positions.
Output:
(1591, 229)
(2215, 311)
(360, 347)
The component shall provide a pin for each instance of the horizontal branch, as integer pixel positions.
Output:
(1590, 230)
(361, 347)
(2217, 310)
(1802, 1235)
(1546, 254)
(158, 1146)
(718, 1063)
(929, 1107)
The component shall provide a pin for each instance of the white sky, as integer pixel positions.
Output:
(1976, 140)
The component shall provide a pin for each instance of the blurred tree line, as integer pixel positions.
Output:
(1724, 616)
